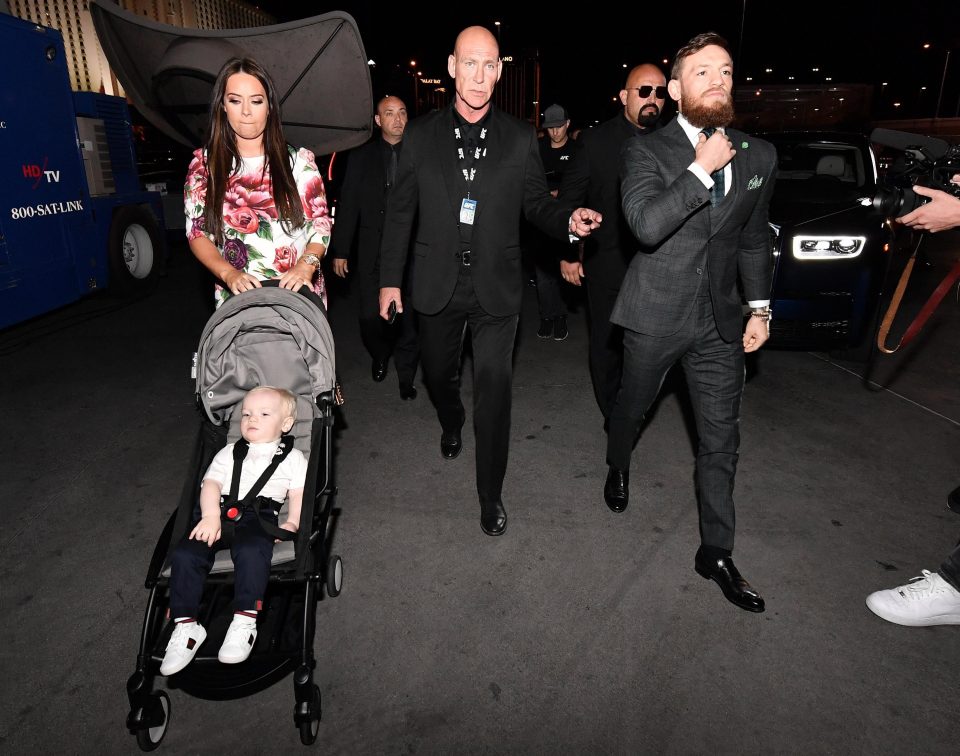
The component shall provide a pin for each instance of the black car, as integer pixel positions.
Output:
(831, 248)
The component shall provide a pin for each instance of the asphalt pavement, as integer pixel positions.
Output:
(578, 631)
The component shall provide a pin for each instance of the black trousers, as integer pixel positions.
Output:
(715, 372)
(251, 549)
(606, 345)
(546, 265)
(492, 337)
(379, 337)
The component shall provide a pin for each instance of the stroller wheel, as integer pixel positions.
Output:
(310, 728)
(334, 576)
(149, 738)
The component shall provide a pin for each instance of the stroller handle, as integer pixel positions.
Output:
(304, 290)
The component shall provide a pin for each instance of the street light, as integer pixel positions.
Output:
(416, 87)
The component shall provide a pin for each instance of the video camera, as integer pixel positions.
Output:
(926, 161)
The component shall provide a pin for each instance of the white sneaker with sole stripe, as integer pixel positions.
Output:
(239, 640)
(184, 642)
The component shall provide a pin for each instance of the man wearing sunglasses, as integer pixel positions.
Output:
(645, 99)
(593, 177)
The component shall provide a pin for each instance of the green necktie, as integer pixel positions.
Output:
(716, 193)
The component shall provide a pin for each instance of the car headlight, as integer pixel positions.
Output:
(827, 247)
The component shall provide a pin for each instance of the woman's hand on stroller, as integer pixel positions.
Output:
(299, 275)
(239, 280)
(305, 269)
(208, 529)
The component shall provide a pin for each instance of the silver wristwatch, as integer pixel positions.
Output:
(312, 260)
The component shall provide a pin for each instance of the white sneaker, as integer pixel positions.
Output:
(925, 600)
(184, 642)
(239, 641)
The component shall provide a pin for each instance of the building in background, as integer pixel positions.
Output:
(781, 107)
(86, 62)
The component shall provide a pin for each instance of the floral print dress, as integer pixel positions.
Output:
(256, 241)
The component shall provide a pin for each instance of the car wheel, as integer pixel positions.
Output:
(134, 250)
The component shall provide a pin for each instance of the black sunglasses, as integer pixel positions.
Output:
(646, 89)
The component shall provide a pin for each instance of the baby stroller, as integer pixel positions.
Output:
(268, 336)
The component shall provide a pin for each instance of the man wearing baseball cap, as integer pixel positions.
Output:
(556, 151)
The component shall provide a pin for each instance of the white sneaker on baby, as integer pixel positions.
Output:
(239, 639)
(184, 642)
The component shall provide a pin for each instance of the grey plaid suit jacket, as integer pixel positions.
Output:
(681, 236)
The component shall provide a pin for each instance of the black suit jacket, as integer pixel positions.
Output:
(428, 194)
(681, 236)
(593, 180)
(362, 203)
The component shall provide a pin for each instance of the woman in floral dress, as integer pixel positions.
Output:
(256, 208)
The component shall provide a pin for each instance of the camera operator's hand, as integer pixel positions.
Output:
(942, 212)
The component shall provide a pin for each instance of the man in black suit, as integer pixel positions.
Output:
(466, 172)
(696, 195)
(593, 180)
(371, 172)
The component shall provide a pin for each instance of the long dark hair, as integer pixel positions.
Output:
(223, 157)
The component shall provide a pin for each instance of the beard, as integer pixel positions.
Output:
(648, 115)
(703, 115)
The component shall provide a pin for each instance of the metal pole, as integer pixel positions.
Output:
(943, 80)
(743, 21)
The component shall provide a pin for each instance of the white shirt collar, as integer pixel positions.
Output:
(693, 132)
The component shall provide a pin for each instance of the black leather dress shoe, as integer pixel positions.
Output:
(450, 444)
(725, 574)
(493, 518)
(616, 491)
(408, 391)
(378, 370)
(953, 500)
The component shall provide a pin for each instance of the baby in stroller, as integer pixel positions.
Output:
(239, 512)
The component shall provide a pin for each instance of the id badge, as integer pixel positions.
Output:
(468, 208)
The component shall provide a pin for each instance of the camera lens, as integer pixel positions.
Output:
(888, 200)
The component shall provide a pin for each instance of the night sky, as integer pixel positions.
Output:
(583, 54)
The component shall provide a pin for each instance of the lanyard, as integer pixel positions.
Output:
(478, 154)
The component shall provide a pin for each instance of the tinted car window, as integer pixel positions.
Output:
(824, 171)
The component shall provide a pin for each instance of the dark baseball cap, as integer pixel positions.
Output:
(555, 116)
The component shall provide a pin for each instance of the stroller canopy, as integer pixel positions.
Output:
(265, 337)
(318, 65)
